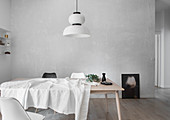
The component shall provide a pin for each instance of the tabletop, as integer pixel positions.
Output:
(106, 88)
(96, 89)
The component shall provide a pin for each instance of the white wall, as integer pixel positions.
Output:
(5, 68)
(167, 47)
(122, 39)
(5, 60)
(5, 14)
(5, 64)
(159, 21)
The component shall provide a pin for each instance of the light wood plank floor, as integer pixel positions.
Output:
(132, 109)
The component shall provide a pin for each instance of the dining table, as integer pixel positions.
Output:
(102, 89)
(109, 89)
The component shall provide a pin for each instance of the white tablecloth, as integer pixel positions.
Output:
(62, 95)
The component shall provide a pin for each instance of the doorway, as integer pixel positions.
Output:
(158, 60)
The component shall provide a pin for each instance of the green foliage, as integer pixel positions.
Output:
(92, 77)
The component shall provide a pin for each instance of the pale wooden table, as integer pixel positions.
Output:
(102, 89)
(109, 89)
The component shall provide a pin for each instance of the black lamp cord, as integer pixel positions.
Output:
(76, 5)
(76, 13)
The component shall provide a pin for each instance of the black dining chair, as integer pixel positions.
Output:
(49, 75)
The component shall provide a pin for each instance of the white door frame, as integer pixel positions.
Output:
(159, 60)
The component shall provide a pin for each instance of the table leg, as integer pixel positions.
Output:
(118, 105)
(106, 103)
(88, 113)
(54, 112)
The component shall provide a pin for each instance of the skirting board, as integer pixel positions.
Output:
(166, 86)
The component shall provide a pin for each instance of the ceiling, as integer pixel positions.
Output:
(162, 4)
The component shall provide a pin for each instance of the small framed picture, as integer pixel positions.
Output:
(131, 84)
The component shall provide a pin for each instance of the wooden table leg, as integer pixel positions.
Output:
(88, 113)
(118, 105)
(106, 103)
(54, 112)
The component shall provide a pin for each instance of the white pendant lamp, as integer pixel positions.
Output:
(76, 29)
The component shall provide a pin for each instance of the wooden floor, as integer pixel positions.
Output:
(137, 109)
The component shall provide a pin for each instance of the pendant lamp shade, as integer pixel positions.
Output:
(76, 18)
(76, 29)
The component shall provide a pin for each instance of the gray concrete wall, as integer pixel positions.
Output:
(5, 68)
(5, 63)
(122, 39)
(5, 14)
(159, 21)
(5, 60)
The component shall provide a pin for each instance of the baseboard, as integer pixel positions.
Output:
(167, 86)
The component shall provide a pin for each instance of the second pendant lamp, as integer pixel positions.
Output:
(76, 29)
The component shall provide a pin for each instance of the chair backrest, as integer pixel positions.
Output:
(49, 75)
(78, 75)
(11, 109)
